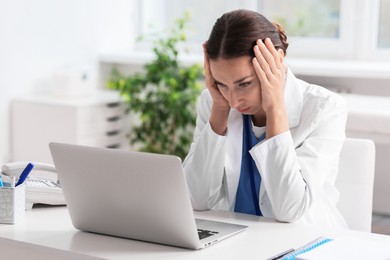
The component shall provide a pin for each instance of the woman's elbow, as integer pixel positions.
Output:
(199, 205)
(291, 213)
(287, 218)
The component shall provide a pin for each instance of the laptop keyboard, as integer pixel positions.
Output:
(202, 233)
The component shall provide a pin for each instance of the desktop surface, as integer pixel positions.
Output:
(47, 232)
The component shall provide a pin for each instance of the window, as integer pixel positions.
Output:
(337, 29)
(305, 18)
(377, 27)
(384, 25)
(315, 28)
(158, 15)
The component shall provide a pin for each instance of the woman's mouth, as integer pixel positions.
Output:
(242, 111)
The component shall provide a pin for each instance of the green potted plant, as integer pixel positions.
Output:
(164, 96)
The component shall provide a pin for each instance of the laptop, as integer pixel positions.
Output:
(135, 195)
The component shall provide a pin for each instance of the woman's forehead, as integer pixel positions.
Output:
(229, 71)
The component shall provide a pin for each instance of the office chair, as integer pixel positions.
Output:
(355, 183)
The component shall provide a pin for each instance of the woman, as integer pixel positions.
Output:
(265, 142)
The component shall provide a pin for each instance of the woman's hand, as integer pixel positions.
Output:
(218, 100)
(268, 64)
(220, 110)
(269, 67)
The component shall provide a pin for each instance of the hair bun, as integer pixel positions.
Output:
(282, 35)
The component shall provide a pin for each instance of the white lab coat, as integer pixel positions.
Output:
(298, 168)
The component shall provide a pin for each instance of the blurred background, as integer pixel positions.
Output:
(57, 56)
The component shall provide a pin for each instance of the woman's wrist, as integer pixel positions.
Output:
(218, 119)
(277, 122)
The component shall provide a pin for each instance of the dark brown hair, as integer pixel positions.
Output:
(235, 33)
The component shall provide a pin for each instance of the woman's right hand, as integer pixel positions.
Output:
(221, 108)
(218, 100)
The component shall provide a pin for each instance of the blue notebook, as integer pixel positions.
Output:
(349, 247)
(307, 247)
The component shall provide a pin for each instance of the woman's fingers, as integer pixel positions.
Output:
(269, 60)
(265, 59)
(275, 53)
(208, 76)
(210, 83)
(261, 66)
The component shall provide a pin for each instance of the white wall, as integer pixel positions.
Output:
(40, 37)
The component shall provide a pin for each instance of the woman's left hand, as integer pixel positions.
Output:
(269, 67)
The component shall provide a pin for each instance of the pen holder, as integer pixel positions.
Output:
(12, 204)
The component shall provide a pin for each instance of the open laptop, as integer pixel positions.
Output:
(134, 195)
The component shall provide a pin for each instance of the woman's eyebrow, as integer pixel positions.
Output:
(218, 82)
(242, 79)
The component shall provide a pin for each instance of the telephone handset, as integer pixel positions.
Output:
(38, 190)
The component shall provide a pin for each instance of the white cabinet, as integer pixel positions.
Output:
(94, 120)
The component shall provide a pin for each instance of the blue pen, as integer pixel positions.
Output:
(25, 173)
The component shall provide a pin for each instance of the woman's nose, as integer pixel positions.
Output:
(233, 99)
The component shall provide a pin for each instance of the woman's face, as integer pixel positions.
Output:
(236, 79)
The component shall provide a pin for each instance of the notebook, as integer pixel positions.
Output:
(341, 248)
(305, 248)
(347, 247)
(134, 195)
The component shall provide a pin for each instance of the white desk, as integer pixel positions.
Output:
(47, 233)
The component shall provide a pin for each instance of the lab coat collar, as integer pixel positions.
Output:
(293, 98)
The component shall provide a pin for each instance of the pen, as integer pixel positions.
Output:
(25, 173)
(279, 256)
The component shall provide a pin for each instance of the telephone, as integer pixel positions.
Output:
(38, 189)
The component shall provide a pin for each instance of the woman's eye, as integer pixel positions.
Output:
(244, 84)
(220, 85)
